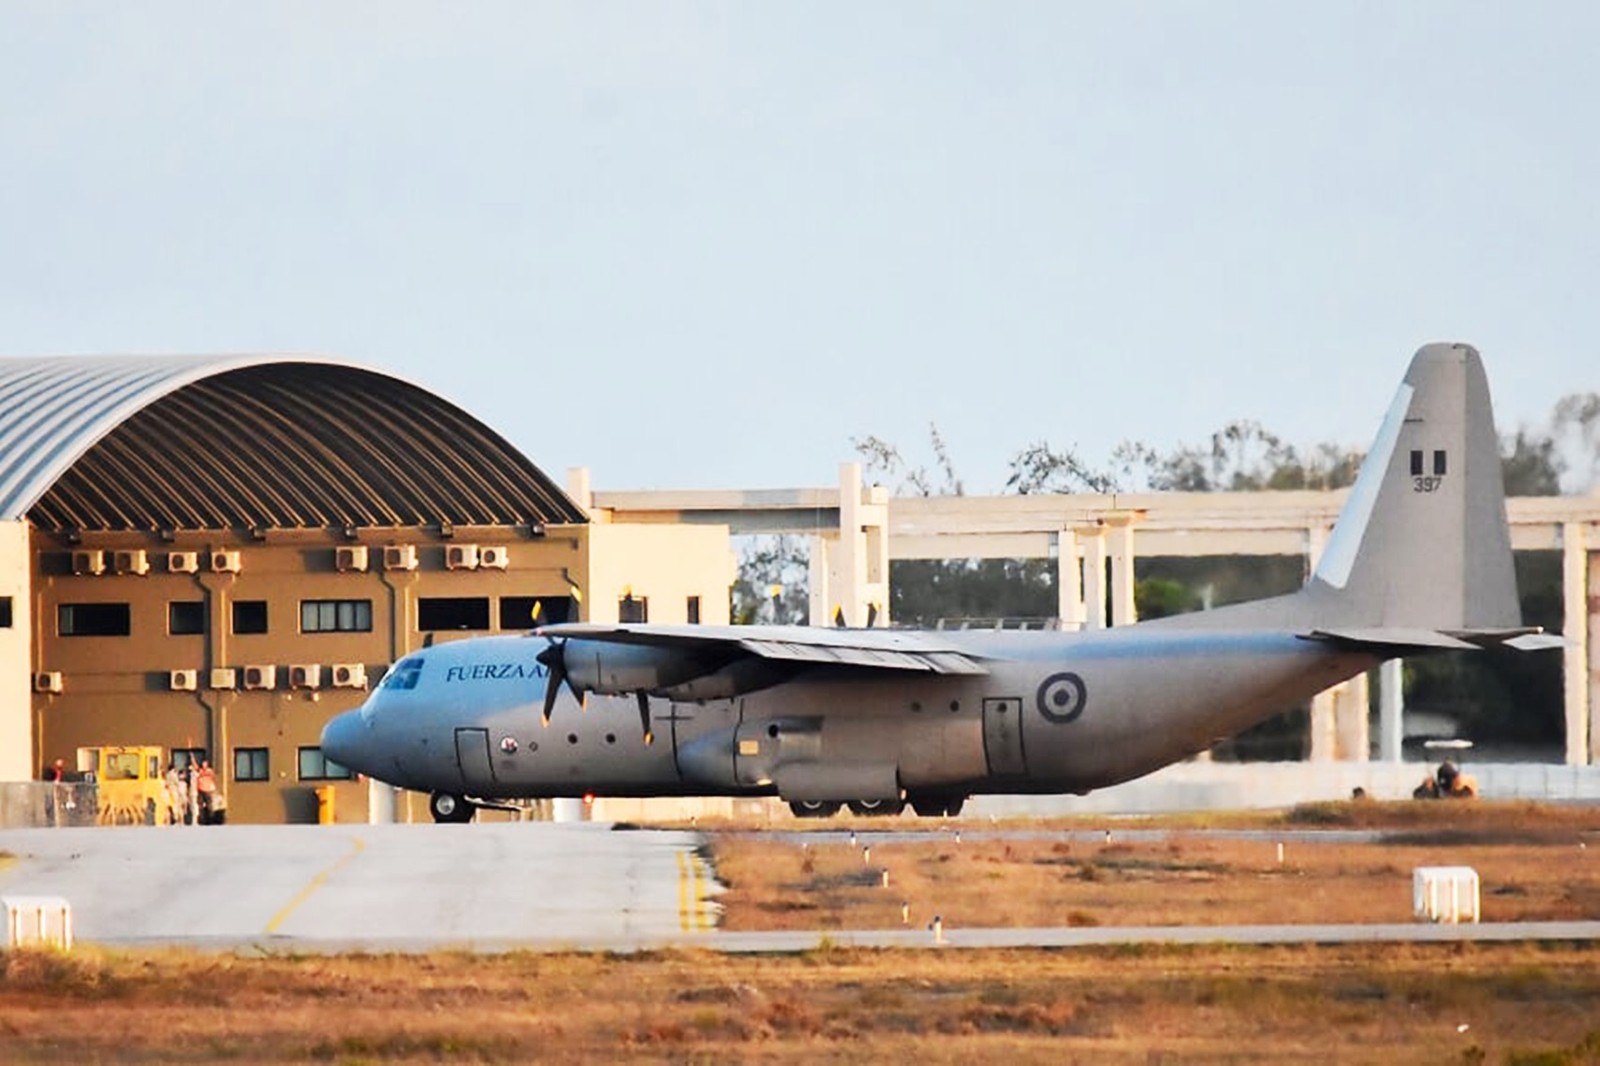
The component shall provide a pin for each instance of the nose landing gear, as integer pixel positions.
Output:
(446, 807)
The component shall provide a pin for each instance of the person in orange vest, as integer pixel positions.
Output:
(205, 783)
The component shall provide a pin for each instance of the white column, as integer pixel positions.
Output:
(1094, 577)
(1391, 711)
(1351, 719)
(1324, 725)
(1069, 580)
(851, 562)
(1575, 628)
(1592, 658)
(818, 569)
(1120, 537)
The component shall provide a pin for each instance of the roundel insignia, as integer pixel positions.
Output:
(1061, 698)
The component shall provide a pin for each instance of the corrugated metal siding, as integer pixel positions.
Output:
(235, 442)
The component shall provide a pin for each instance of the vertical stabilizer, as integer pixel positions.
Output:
(1422, 540)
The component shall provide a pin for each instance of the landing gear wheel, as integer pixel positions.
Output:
(814, 809)
(937, 806)
(877, 808)
(449, 808)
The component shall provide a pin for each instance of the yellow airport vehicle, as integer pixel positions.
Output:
(129, 780)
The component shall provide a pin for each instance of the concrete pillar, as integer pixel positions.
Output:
(1391, 711)
(1069, 580)
(1576, 681)
(579, 488)
(381, 802)
(1119, 535)
(818, 570)
(1351, 720)
(850, 561)
(1324, 728)
(1093, 541)
(1592, 658)
(566, 809)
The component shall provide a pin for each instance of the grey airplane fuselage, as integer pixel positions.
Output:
(1055, 712)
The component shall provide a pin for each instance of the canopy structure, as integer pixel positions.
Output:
(251, 441)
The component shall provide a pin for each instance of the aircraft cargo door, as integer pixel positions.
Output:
(1002, 736)
(472, 754)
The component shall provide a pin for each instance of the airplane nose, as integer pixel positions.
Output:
(341, 739)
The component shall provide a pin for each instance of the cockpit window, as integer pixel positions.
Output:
(404, 675)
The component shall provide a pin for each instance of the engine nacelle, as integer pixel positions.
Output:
(612, 669)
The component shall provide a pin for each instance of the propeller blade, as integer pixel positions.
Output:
(644, 717)
(554, 660)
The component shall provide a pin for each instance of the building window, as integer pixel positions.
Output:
(692, 613)
(186, 617)
(1416, 463)
(250, 616)
(335, 616)
(525, 612)
(93, 620)
(453, 612)
(250, 764)
(183, 758)
(633, 608)
(314, 766)
(5, 612)
(1439, 464)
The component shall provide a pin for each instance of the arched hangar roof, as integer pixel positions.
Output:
(247, 441)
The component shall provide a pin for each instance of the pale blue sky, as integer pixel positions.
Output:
(704, 245)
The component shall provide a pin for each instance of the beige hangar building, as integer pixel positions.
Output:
(215, 554)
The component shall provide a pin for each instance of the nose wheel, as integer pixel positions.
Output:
(446, 807)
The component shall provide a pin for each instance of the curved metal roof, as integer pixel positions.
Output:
(245, 441)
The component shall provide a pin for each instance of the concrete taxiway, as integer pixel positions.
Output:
(366, 885)
(500, 887)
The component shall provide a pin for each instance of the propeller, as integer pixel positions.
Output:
(554, 659)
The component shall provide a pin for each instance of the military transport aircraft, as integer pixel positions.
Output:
(1419, 561)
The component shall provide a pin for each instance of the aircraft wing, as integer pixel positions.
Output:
(883, 649)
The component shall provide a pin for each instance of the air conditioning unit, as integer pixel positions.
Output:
(134, 561)
(88, 561)
(183, 562)
(461, 557)
(349, 675)
(400, 557)
(350, 557)
(494, 557)
(223, 677)
(184, 680)
(260, 677)
(225, 562)
(305, 675)
(47, 682)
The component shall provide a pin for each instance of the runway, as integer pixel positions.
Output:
(501, 887)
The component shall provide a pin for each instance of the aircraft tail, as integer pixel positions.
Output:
(1422, 542)
(1420, 556)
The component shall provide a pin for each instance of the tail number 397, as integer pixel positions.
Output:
(1427, 484)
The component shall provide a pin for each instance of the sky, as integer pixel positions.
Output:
(706, 245)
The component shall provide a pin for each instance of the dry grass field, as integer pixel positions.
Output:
(1435, 1003)
(1534, 863)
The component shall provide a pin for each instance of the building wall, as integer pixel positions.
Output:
(662, 565)
(17, 754)
(116, 689)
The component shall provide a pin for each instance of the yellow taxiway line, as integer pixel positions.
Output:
(358, 846)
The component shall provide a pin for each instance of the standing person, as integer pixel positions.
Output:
(56, 774)
(176, 801)
(191, 795)
(205, 782)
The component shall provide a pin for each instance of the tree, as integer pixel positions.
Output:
(773, 584)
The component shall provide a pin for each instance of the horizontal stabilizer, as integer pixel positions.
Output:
(1393, 641)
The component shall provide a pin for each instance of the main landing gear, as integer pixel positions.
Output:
(926, 806)
(446, 807)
